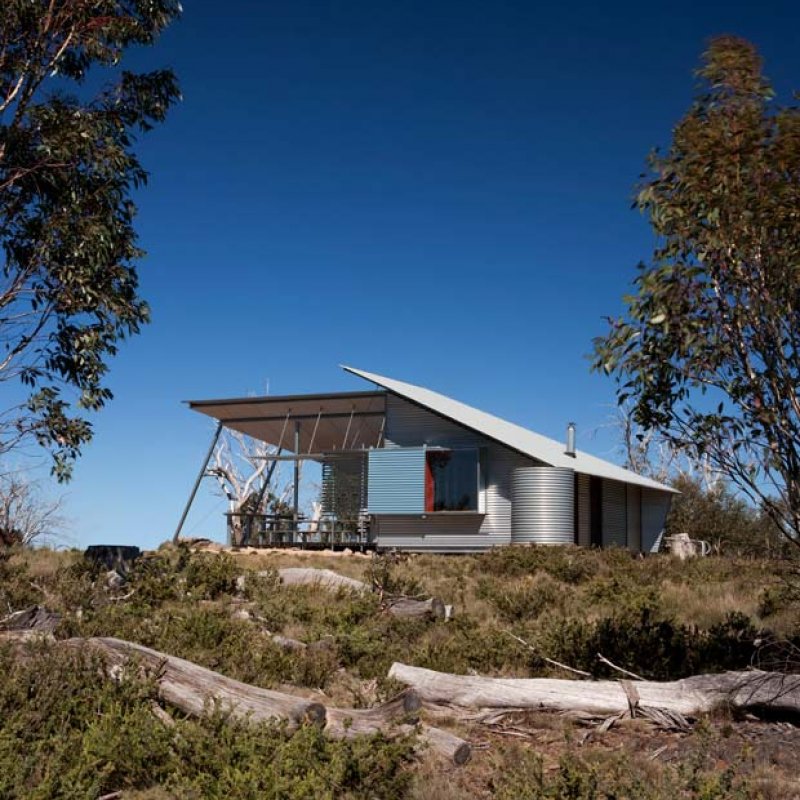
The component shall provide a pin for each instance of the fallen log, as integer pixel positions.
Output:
(327, 578)
(344, 723)
(751, 691)
(407, 607)
(34, 618)
(190, 687)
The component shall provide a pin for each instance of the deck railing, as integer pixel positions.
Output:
(284, 530)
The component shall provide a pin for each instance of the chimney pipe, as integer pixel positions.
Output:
(570, 451)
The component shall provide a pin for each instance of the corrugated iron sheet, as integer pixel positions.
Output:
(522, 440)
(584, 511)
(440, 533)
(655, 506)
(614, 514)
(396, 481)
(634, 518)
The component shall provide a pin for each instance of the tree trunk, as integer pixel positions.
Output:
(752, 691)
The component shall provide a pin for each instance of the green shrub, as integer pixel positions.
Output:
(617, 777)
(66, 731)
(650, 645)
(523, 598)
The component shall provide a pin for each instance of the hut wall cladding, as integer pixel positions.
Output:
(615, 514)
(584, 510)
(655, 506)
(408, 425)
(634, 518)
(396, 481)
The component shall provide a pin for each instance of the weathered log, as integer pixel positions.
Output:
(751, 691)
(327, 578)
(34, 618)
(446, 744)
(344, 723)
(408, 607)
(190, 687)
(396, 606)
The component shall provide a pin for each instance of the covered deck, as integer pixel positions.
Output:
(334, 430)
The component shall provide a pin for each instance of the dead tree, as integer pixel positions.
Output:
(247, 478)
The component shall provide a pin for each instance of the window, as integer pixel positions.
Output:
(451, 480)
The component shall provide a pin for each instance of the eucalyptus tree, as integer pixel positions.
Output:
(708, 348)
(68, 169)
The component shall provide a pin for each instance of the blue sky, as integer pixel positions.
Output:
(438, 191)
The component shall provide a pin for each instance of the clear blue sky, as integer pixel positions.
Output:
(435, 191)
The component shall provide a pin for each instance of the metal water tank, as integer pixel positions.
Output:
(543, 505)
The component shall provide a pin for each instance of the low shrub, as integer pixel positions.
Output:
(621, 777)
(68, 732)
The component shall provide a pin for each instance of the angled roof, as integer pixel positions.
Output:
(513, 436)
(327, 422)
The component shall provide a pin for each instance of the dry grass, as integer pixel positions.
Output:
(537, 593)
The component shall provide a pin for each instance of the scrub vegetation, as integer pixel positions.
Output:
(65, 731)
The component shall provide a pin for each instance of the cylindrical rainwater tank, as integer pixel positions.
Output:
(543, 505)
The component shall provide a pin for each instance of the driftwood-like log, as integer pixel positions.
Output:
(396, 606)
(35, 618)
(344, 723)
(446, 744)
(751, 691)
(327, 578)
(410, 608)
(190, 687)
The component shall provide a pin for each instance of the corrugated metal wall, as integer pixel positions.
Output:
(408, 425)
(396, 481)
(584, 511)
(614, 514)
(634, 518)
(442, 533)
(655, 506)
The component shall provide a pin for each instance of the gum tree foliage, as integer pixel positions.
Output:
(68, 282)
(708, 350)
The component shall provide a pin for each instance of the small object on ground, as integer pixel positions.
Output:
(118, 557)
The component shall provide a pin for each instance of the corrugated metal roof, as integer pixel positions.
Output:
(514, 436)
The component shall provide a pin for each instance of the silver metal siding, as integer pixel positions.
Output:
(655, 506)
(634, 518)
(439, 533)
(408, 425)
(396, 481)
(614, 514)
(584, 511)
(543, 505)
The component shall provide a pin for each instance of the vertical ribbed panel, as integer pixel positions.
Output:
(408, 425)
(436, 533)
(615, 520)
(584, 510)
(634, 518)
(542, 505)
(655, 506)
(396, 481)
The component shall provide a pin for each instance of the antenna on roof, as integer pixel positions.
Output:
(570, 451)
